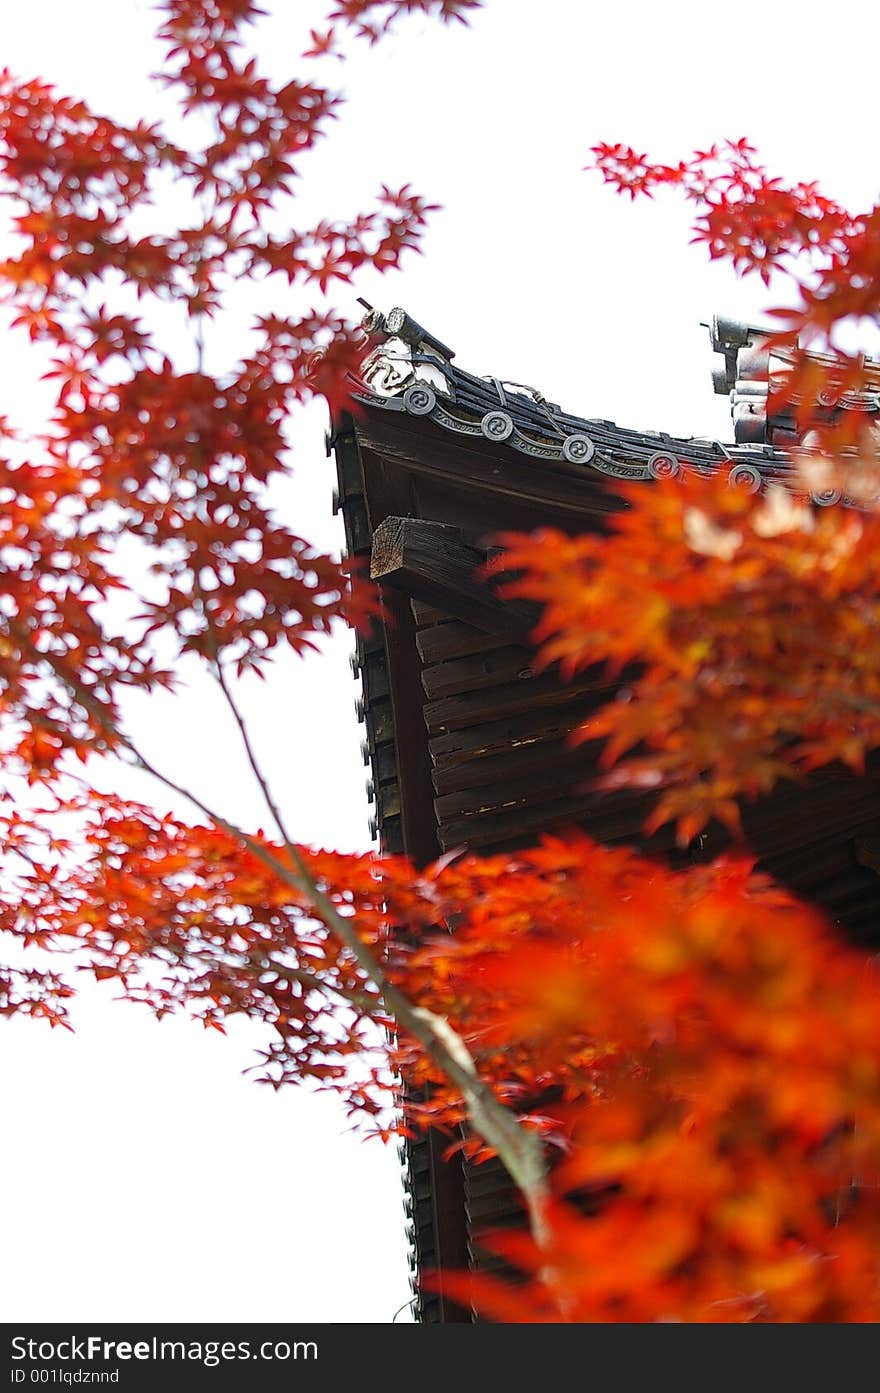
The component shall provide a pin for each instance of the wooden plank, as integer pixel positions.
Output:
(380, 718)
(811, 866)
(856, 913)
(801, 815)
(456, 712)
(384, 763)
(533, 786)
(348, 464)
(493, 1202)
(425, 614)
(845, 885)
(430, 561)
(492, 737)
(387, 801)
(605, 816)
(453, 639)
(478, 671)
(374, 677)
(515, 763)
(392, 836)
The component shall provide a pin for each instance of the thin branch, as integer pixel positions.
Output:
(250, 752)
(520, 1151)
(361, 1001)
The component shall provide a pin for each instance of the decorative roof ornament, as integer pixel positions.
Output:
(403, 353)
(752, 370)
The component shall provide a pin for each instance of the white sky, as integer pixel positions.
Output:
(142, 1176)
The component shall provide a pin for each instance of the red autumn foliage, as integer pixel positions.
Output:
(754, 623)
(695, 1049)
(763, 225)
(722, 1129)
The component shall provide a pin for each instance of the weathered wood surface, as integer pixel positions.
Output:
(502, 667)
(527, 697)
(442, 642)
(533, 784)
(538, 756)
(496, 736)
(432, 562)
(425, 614)
(384, 763)
(610, 817)
(381, 719)
(555, 485)
(387, 800)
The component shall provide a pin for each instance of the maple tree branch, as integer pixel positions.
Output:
(250, 752)
(520, 1151)
(361, 1001)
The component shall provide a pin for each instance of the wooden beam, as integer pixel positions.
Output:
(467, 710)
(453, 639)
(432, 562)
(492, 737)
(474, 466)
(499, 667)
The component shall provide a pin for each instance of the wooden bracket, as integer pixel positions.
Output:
(433, 562)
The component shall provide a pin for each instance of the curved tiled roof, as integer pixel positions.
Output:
(407, 370)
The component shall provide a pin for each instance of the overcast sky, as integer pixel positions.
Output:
(143, 1176)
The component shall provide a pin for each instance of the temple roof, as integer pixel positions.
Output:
(407, 370)
(467, 740)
